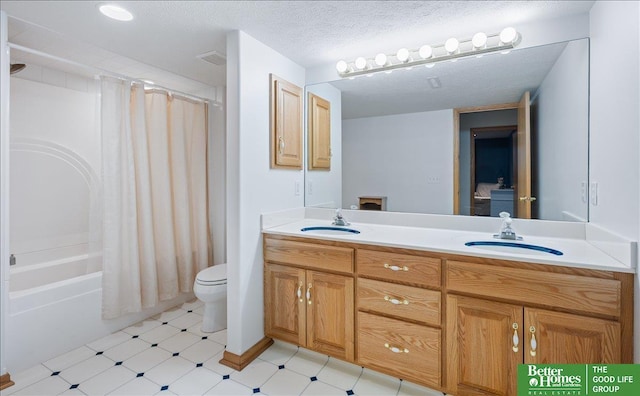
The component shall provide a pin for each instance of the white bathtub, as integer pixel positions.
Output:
(55, 307)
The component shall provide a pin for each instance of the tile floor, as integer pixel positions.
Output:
(169, 355)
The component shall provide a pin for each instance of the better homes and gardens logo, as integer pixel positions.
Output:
(578, 379)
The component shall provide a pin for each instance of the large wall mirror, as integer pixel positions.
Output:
(471, 137)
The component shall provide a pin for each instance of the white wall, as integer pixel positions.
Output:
(324, 188)
(562, 104)
(408, 158)
(4, 188)
(476, 120)
(252, 187)
(614, 124)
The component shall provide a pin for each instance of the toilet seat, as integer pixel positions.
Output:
(213, 276)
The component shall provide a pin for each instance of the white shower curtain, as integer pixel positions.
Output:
(155, 212)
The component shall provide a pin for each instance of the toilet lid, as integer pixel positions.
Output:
(214, 275)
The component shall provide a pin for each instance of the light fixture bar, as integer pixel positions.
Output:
(441, 53)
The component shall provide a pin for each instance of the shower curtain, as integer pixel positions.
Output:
(155, 213)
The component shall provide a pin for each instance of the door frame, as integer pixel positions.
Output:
(456, 143)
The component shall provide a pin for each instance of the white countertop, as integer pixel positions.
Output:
(576, 252)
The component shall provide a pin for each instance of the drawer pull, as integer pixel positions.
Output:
(534, 343)
(396, 268)
(309, 294)
(516, 339)
(396, 301)
(395, 349)
(299, 292)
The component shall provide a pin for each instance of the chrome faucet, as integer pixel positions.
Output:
(506, 232)
(339, 220)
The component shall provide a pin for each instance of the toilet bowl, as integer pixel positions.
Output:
(210, 287)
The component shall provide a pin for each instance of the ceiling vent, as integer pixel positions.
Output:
(214, 57)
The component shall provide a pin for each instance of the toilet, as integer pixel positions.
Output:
(210, 287)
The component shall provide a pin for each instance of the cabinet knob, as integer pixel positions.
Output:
(299, 292)
(516, 339)
(281, 144)
(309, 294)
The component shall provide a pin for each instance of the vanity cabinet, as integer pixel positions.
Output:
(399, 315)
(309, 296)
(547, 318)
(455, 323)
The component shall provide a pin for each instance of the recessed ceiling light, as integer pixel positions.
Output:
(116, 12)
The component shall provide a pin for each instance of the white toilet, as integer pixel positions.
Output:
(210, 287)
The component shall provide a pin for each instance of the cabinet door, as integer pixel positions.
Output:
(319, 133)
(286, 124)
(330, 314)
(562, 338)
(284, 304)
(481, 358)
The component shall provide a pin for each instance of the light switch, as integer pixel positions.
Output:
(583, 191)
(297, 187)
(310, 187)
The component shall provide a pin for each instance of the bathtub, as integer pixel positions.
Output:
(55, 307)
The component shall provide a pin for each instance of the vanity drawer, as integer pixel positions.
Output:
(309, 255)
(406, 302)
(401, 349)
(395, 267)
(573, 292)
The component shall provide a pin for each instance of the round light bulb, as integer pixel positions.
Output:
(451, 45)
(115, 12)
(479, 40)
(381, 59)
(403, 55)
(425, 52)
(508, 35)
(430, 65)
(342, 66)
(361, 63)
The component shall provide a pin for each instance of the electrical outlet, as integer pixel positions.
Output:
(310, 187)
(593, 194)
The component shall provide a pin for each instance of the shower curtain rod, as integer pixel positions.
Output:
(102, 72)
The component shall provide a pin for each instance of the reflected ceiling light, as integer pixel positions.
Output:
(115, 12)
(453, 49)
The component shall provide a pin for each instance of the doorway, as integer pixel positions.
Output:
(493, 158)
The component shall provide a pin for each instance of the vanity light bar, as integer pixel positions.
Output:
(427, 55)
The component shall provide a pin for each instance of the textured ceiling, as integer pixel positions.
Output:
(168, 35)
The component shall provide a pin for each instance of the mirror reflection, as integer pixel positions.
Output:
(471, 137)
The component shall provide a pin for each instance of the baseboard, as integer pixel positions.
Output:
(5, 380)
(238, 362)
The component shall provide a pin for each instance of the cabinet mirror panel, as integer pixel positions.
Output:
(500, 132)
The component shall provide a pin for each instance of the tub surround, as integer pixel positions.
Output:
(584, 245)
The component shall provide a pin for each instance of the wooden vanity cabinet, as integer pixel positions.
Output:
(304, 303)
(399, 315)
(500, 317)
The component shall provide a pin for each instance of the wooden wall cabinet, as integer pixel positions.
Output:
(319, 133)
(286, 124)
(305, 305)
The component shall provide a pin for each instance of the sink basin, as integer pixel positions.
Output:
(329, 230)
(513, 247)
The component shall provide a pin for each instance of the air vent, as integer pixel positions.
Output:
(214, 57)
